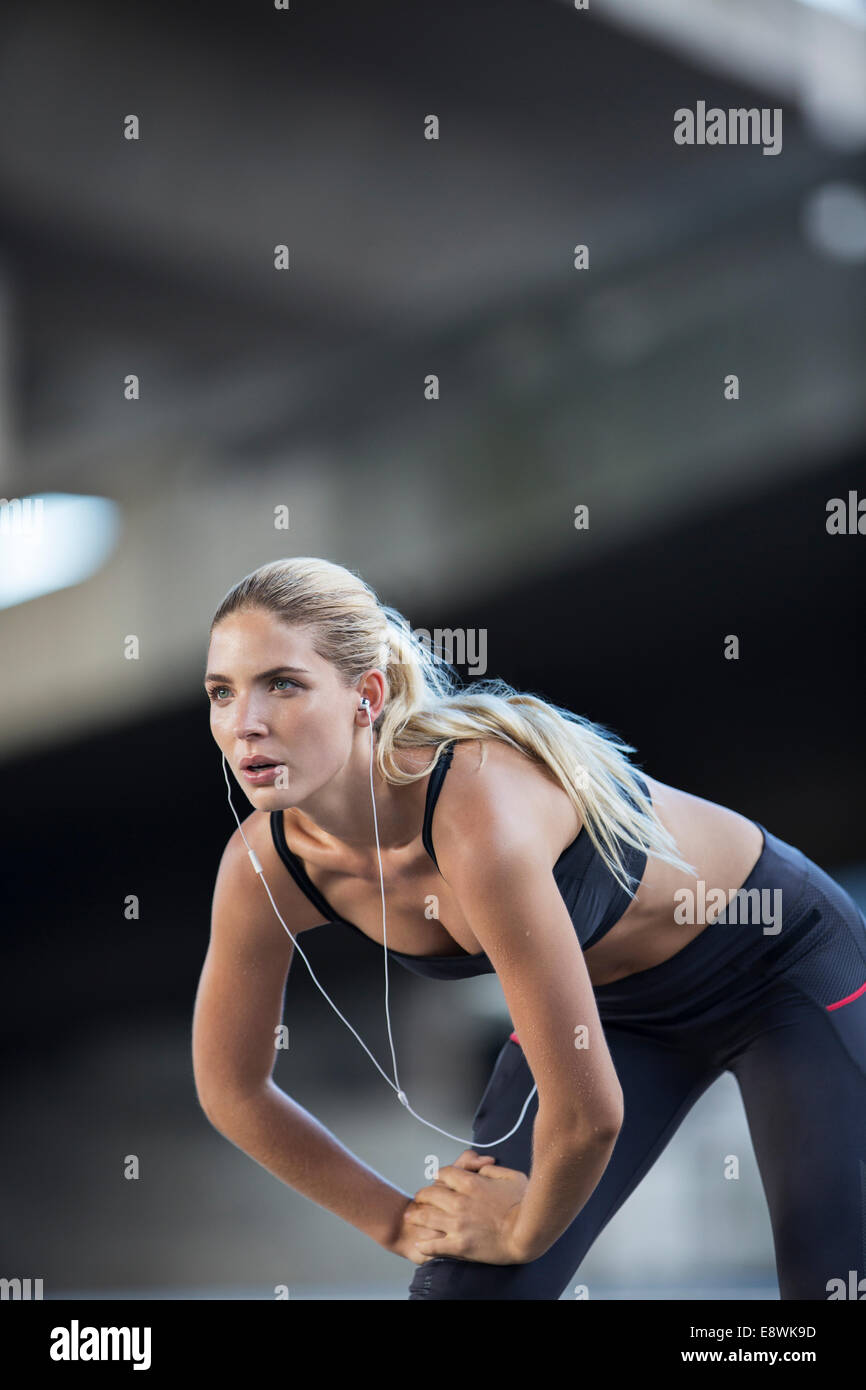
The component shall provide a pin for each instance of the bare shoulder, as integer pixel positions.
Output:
(240, 895)
(488, 763)
(499, 796)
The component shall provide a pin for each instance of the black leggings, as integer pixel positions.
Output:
(784, 1009)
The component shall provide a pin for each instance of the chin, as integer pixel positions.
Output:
(267, 790)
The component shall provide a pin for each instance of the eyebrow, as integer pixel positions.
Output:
(262, 676)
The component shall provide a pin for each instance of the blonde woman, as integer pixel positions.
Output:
(646, 940)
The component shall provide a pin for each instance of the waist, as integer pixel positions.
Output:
(762, 920)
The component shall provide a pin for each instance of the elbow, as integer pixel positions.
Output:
(606, 1124)
(611, 1123)
(226, 1107)
(604, 1132)
(209, 1110)
(582, 1131)
(221, 1117)
(212, 1103)
(594, 1130)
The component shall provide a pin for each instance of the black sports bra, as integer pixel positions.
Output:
(594, 899)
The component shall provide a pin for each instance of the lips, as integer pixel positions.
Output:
(259, 772)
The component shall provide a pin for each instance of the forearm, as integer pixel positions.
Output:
(290, 1143)
(566, 1169)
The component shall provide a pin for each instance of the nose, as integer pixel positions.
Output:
(248, 720)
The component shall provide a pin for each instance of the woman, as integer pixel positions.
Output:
(646, 941)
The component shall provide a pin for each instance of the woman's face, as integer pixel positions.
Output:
(300, 720)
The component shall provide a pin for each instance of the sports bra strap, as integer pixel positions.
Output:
(437, 777)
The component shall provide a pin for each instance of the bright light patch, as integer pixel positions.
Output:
(853, 10)
(51, 541)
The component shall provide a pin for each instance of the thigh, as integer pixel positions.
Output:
(659, 1083)
(802, 1077)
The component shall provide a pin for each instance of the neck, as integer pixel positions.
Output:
(340, 815)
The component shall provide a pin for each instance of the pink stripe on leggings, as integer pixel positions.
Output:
(839, 1002)
(838, 1005)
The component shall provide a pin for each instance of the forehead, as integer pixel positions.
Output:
(244, 637)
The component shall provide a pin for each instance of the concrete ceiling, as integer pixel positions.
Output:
(407, 257)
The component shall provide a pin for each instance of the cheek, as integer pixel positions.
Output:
(218, 722)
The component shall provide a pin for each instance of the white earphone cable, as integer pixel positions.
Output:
(395, 1084)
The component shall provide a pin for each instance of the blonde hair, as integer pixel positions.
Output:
(425, 705)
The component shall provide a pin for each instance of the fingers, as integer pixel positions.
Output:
(439, 1196)
(458, 1179)
(420, 1216)
(428, 1231)
(428, 1250)
(428, 1223)
(489, 1171)
(473, 1161)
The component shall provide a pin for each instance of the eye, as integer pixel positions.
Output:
(213, 691)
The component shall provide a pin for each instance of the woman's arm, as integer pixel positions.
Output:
(566, 1170)
(238, 1009)
(497, 861)
(291, 1143)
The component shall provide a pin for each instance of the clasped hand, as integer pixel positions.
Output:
(468, 1213)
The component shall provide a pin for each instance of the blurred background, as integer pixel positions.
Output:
(165, 390)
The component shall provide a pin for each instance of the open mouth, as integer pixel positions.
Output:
(260, 771)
